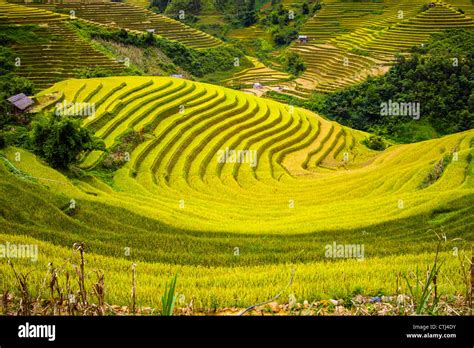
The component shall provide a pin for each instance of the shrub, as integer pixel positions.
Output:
(284, 36)
(91, 72)
(375, 142)
(295, 64)
(196, 62)
(18, 136)
(305, 8)
(60, 141)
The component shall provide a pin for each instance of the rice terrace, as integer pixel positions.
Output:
(249, 157)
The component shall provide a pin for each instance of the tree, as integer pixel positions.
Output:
(305, 8)
(284, 36)
(246, 13)
(160, 4)
(60, 141)
(375, 142)
(317, 7)
(295, 64)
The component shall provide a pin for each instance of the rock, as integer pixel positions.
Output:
(305, 304)
(334, 302)
(358, 299)
(401, 299)
(375, 299)
(273, 306)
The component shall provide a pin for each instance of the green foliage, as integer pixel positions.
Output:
(215, 29)
(190, 7)
(360, 52)
(117, 155)
(2, 141)
(61, 140)
(375, 142)
(20, 34)
(16, 135)
(6, 60)
(160, 5)
(285, 27)
(316, 102)
(196, 62)
(430, 77)
(317, 6)
(422, 289)
(278, 16)
(238, 12)
(437, 171)
(10, 84)
(90, 72)
(284, 30)
(169, 298)
(305, 8)
(285, 36)
(295, 65)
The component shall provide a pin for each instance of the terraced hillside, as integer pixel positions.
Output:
(132, 17)
(234, 224)
(180, 153)
(59, 53)
(259, 73)
(249, 33)
(349, 41)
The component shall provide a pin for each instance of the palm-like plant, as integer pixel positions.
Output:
(169, 298)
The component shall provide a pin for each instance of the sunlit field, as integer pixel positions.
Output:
(306, 157)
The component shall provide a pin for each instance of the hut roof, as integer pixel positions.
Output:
(21, 101)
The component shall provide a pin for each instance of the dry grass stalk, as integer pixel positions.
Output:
(80, 273)
(134, 294)
(25, 298)
(99, 291)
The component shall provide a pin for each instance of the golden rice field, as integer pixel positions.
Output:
(234, 226)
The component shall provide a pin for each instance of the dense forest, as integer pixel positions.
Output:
(439, 76)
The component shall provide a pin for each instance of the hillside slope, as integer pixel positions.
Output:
(349, 41)
(58, 52)
(132, 17)
(188, 124)
(234, 230)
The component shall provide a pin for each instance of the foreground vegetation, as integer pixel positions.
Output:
(203, 290)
